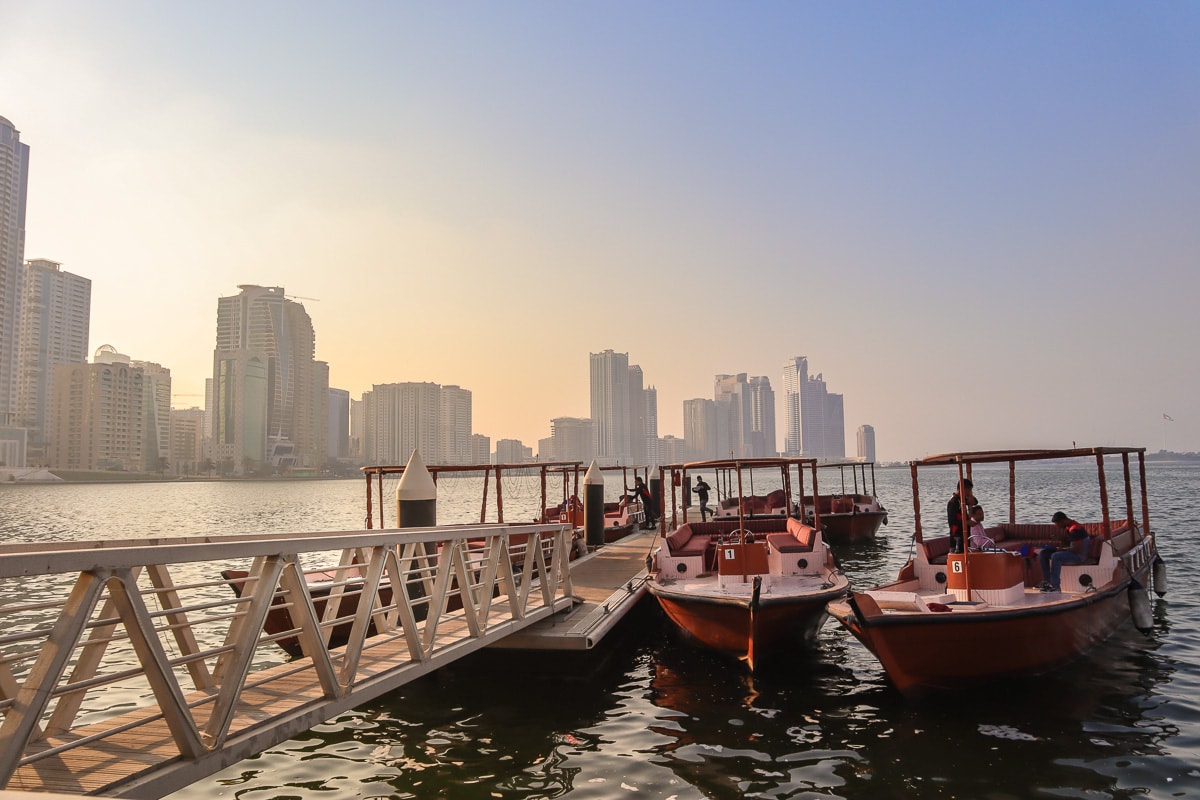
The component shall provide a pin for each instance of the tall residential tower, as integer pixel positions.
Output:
(14, 187)
(270, 395)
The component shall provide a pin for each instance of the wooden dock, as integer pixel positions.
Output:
(131, 669)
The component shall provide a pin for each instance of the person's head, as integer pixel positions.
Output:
(966, 484)
(699, 479)
(637, 481)
(977, 513)
(1060, 519)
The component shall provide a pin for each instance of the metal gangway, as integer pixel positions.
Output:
(134, 668)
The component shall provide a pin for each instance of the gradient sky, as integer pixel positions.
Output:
(980, 222)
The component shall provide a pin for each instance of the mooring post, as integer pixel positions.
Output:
(593, 506)
(416, 496)
(656, 493)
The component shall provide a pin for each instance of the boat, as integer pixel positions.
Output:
(748, 584)
(346, 583)
(853, 513)
(621, 517)
(322, 586)
(953, 619)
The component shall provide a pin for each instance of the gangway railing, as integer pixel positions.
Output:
(132, 668)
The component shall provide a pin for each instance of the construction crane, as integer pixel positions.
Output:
(298, 297)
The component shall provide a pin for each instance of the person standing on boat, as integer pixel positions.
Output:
(701, 491)
(959, 518)
(642, 492)
(1052, 559)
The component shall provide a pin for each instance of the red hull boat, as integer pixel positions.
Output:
(958, 619)
(744, 585)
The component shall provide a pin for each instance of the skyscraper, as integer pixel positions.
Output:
(270, 395)
(762, 418)
(570, 440)
(54, 329)
(400, 418)
(455, 426)
(866, 443)
(339, 423)
(795, 375)
(610, 406)
(97, 415)
(815, 418)
(700, 428)
(14, 187)
(156, 415)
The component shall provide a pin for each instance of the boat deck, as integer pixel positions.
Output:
(777, 586)
(607, 584)
(902, 600)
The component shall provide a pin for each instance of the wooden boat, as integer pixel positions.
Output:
(346, 583)
(621, 517)
(854, 513)
(321, 586)
(747, 585)
(956, 619)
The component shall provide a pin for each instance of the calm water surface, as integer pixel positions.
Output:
(648, 716)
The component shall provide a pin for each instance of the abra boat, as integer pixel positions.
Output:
(336, 592)
(745, 584)
(854, 513)
(621, 517)
(955, 619)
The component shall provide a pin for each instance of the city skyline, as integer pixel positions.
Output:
(952, 210)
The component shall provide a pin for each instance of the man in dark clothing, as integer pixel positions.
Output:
(701, 491)
(954, 515)
(1052, 559)
(642, 492)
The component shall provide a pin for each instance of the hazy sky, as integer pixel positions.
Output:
(980, 221)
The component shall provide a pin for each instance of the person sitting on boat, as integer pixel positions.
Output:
(1052, 559)
(701, 491)
(957, 520)
(642, 492)
(978, 539)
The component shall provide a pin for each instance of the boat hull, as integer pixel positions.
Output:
(847, 528)
(956, 649)
(743, 626)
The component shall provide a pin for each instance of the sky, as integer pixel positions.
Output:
(980, 222)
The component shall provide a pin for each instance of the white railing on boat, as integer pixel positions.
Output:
(106, 645)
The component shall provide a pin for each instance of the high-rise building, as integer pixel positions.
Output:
(187, 441)
(637, 416)
(270, 394)
(512, 451)
(401, 418)
(835, 427)
(731, 394)
(866, 443)
(481, 448)
(156, 415)
(762, 419)
(339, 423)
(610, 406)
(97, 416)
(654, 455)
(795, 375)
(571, 439)
(700, 428)
(54, 328)
(14, 188)
(815, 418)
(455, 426)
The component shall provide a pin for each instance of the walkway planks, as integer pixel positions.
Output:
(106, 615)
(608, 584)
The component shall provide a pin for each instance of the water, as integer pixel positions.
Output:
(648, 716)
